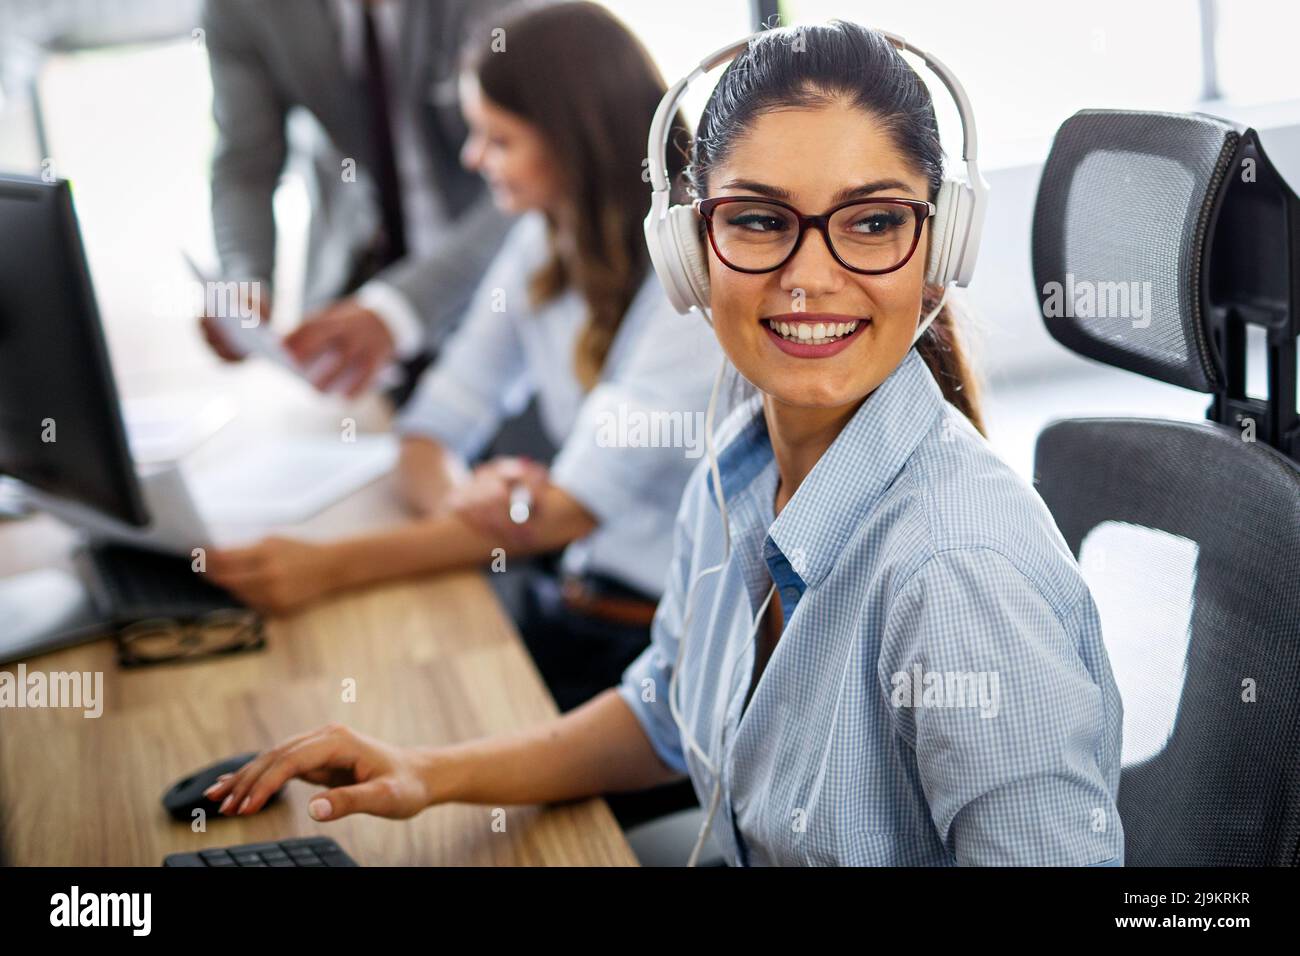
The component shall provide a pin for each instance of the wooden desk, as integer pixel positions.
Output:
(433, 660)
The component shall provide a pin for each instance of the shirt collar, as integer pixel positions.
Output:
(846, 483)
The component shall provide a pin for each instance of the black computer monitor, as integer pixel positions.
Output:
(61, 427)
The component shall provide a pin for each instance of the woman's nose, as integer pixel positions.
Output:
(471, 154)
(812, 268)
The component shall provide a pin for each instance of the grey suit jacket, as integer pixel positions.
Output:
(270, 58)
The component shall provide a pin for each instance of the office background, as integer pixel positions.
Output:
(96, 89)
(114, 95)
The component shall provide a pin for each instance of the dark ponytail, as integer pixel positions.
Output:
(807, 66)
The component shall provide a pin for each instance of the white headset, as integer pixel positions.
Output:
(677, 248)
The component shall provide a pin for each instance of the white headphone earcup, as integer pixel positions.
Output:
(684, 222)
(941, 233)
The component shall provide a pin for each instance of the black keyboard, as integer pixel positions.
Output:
(302, 851)
(134, 584)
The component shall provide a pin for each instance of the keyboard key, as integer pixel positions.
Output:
(259, 848)
(337, 859)
(299, 851)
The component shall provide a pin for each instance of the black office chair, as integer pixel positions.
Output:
(1207, 651)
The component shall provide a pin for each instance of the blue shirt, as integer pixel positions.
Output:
(626, 448)
(909, 559)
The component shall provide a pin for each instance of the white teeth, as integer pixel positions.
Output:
(815, 334)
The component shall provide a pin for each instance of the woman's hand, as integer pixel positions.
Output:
(483, 502)
(277, 574)
(363, 775)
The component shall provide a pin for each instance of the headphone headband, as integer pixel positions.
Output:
(657, 143)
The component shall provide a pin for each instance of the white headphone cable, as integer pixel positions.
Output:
(925, 323)
(688, 608)
(716, 798)
(688, 611)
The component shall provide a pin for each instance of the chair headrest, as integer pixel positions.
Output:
(1124, 215)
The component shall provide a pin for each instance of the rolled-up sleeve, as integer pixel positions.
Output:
(640, 433)
(1010, 729)
(482, 375)
(645, 683)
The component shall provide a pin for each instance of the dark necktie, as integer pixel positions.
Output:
(385, 155)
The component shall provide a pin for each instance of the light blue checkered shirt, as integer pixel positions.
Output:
(911, 558)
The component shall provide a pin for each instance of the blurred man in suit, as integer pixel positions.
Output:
(400, 232)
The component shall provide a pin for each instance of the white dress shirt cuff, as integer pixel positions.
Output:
(397, 313)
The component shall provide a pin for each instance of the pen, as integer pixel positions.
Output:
(521, 503)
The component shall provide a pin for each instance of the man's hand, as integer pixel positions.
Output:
(344, 344)
(276, 574)
(212, 334)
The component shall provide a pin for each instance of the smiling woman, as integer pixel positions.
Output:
(857, 511)
(879, 169)
(853, 532)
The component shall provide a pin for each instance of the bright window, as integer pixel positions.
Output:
(680, 34)
(1256, 50)
(1028, 65)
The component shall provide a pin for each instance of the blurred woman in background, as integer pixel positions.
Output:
(571, 315)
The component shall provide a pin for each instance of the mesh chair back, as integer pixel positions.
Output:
(1120, 234)
(1200, 528)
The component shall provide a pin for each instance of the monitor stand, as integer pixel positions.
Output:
(50, 608)
(175, 524)
(44, 610)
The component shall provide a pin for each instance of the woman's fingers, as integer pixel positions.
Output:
(481, 503)
(235, 564)
(237, 788)
(275, 575)
(219, 786)
(482, 487)
(325, 776)
(328, 750)
(336, 758)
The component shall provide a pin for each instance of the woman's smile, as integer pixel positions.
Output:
(814, 334)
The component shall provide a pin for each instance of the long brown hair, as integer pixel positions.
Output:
(842, 59)
(944, 351)
(578, 74)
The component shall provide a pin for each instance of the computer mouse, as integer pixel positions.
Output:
(186, 795)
